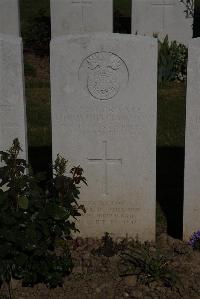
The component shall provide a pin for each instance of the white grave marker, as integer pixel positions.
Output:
(9, 17)
(191, 218)
(163, 6)
(162, 17)
(104, 91)
(81, 16)
(12, 105)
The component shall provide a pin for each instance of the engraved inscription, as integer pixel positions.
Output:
(103, 74)
(102, 121)
(109, 214)
(106, 162)
(84, 7)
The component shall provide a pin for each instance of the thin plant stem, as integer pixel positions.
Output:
(9, 290)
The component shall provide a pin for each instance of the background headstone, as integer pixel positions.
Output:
(12, 105)
(162, 17)
(191, 217)
(9, 17)
(81, 16)
(104, 99)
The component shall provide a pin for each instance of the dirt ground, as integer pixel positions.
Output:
(96, 276)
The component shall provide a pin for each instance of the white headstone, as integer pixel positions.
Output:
(104, 95)
(12, 106)
(191, 217)
(162, 17)
(81, 16)
(9, 17)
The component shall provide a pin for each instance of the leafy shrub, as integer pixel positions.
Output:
(172, 61)
(195, 240)
(189, 8)
(32, 220)
(148, 265)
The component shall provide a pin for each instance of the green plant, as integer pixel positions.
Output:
(172, 61)
(62, 198)
(32, 220)
(109, 247)
(149, 265)
(189, 8)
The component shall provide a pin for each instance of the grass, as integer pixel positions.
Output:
(38, 113)
(171, 115)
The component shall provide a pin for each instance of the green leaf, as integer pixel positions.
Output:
(23, 202)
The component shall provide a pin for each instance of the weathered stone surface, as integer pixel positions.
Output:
(81, 16)
(162, 17)
(104, 92)
(191, 221)
(12, 105)
(9, 17)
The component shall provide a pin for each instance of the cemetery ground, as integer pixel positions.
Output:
(98, 269)
(97, 263)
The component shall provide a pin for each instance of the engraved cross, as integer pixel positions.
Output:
(164, 4)
(83, 4)
(106, 161)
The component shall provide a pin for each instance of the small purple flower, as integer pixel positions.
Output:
(195, 240)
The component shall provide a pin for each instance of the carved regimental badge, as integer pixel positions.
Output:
(103, 74)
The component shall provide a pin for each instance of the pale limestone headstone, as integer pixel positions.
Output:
(81, 16)
(9, 17)
(191, 219)
(162, 17)
(104, 94)
(12, 105)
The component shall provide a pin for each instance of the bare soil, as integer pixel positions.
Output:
(98, 276)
